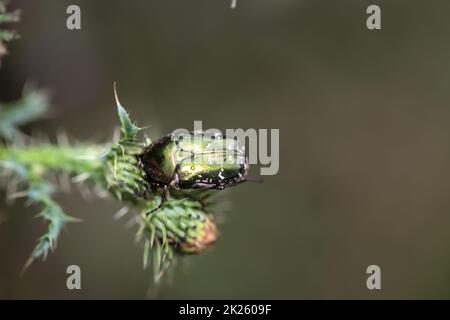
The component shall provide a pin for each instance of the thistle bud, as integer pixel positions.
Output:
(185, 226)
(203, 237)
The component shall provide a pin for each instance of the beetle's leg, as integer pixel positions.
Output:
(204, 186)
(166, 193)
(175, 180)
(242, 180)
(164, 197)
(206, 196)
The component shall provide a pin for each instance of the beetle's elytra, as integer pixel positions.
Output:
(201, 162)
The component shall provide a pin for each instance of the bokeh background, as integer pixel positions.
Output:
(364, 123)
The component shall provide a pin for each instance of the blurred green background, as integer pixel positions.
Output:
(364, 126)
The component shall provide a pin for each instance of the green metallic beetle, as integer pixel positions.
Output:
(196, 161)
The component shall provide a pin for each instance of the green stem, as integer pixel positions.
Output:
(42, 159)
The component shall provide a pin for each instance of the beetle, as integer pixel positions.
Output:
(195, 161)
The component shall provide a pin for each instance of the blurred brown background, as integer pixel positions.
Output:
(364, 123)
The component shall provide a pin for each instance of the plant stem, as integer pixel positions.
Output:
(42, 159)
